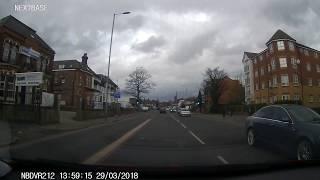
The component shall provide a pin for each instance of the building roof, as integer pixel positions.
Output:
(304, 46)
(279, 34)
(251, 55)
(104, 79)
(17, 26)
(72, 64)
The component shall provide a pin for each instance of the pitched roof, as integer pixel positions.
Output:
(251, 55)
(279, 34)
(72, 64)
(17, 26)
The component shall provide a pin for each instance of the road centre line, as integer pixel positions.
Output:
(197, 138)
(107, 150)
(222, 160)
(184, 126)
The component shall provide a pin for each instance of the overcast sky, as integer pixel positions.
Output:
(175, 40)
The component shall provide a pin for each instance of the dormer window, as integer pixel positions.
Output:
(280, 45)
(61, 66)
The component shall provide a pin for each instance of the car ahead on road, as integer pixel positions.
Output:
(162, 110)
(293, 128)
(184, 112)
(145, 109)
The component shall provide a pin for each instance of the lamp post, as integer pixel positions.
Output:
(108, 79)
(299, 63)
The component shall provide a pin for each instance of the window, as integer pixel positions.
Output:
(260, 57)
(267, 53)
(308, 67)
(316, 55)
(309, 81)
(262, 71)
(256, 74)
(291, 46)
(270, 83)
(311, 99)
(61, 66)
(275, 98)
(280, 114)
(269, 68)
(318, 67)
(284, 80)
(44, 63)
(283, 62)
(13, 55)
(273, 64)
(300, 50)
(295, 79)
(264, 113)
(63, 81)
(6, 49)
(280, 45)
(285, 97)
(257, 86)
(296, 97)
(262, 85)
(255, 61)
(275, 81)
(271, 47)
(38, 65)
(306, 52)
(294, 63)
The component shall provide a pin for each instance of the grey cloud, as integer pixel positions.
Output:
(291, 12)
(189, 49)
(152, 44)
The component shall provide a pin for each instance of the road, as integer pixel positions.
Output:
(152, 139)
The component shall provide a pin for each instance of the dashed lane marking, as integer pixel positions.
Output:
(197, 138)
(222, 160)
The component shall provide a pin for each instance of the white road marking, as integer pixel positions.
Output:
(106, 151)
(197, 138)
(184, 126)
(222, 160)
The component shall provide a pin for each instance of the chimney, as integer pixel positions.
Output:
(85, 59)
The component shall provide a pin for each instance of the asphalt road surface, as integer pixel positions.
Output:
(152, 139)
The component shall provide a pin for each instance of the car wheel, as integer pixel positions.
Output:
(251, 137)
(304, 150)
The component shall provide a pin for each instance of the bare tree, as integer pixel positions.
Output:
(213, 86)
(139, 82)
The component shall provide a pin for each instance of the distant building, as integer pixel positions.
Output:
(79, 86)
(232, 93)
(285, 70)
(23, 51)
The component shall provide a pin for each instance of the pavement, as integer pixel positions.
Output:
(22, 132)
(150, 139)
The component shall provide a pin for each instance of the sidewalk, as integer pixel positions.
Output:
(24, 132)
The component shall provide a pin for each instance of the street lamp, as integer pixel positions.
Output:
(300, 76)
(114, 17)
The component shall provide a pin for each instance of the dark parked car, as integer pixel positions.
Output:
(293, 128)
(162, 110)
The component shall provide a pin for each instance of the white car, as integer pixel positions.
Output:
(184, 112)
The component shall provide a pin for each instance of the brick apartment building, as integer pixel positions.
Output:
(285, 70)
(22, 51)
(79, 86)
